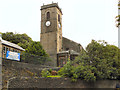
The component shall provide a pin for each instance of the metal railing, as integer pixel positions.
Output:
(34, 59)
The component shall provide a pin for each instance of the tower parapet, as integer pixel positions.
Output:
(51, 5)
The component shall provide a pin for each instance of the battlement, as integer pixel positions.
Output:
(51, 5)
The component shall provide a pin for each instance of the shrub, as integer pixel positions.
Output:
(66, 70)
(79, 69)
(77, 72)
(45, 73)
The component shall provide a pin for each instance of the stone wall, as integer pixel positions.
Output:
(0, 63)
(23, 75)
(0, 52)
(12, 69)
(26, 82)
(71, 45)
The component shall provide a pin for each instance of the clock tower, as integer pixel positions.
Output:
(51, 30)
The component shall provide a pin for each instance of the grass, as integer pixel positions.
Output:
(54, 76)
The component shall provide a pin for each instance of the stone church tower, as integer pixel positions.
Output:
(51, 30)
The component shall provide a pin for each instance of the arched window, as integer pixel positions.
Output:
(48, 15)
(58, 18)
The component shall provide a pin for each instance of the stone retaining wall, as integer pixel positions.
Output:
(27, 82)
(12, 69)
(24, 75)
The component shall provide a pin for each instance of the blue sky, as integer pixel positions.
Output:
(83, 20)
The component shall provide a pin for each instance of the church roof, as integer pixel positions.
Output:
(71, 41)
(12, 45)
(72, 52)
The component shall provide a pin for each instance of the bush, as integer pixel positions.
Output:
(77, 72)
(66, 70)
(45, 73)
(99, 61)
(49, 73)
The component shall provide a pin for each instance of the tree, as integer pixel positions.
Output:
(78, 69)
(36, 49)
(104, 58)
(118, 17)
(99, 61)
(22, 40)
(35, 54)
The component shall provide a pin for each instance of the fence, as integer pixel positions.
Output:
(33, 59)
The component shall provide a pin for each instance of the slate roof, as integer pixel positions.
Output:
(72, 52)
(11, 44)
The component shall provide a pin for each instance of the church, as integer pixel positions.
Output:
(59, 48)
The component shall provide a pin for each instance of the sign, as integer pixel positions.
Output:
(13, 55)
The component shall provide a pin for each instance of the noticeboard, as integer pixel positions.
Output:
(13, 56)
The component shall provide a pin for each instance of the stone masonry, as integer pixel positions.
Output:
(51, 33)
(68, 44)
(51, 36)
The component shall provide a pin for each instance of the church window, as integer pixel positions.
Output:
(67, 48)
(60, 37)
(48, 15)
(15, 50)
(11, 49)
(4, 50)
(7, 49)
(58, 18)
(59, 50)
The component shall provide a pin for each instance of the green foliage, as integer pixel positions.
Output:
(66, 70)
(104, 58)
(34, 59)
(54, 76)
(22, 40)
(36, 49)
(118, 17)
(45, 73)
(99, 61)
(117, 20)
(78, 69)
(50, 70)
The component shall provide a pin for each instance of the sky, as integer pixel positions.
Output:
(82, 20)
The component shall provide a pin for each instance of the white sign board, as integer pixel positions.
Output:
(13, 55)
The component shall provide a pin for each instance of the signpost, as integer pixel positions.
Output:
(13, 55)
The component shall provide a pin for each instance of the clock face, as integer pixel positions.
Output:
(48, 23)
